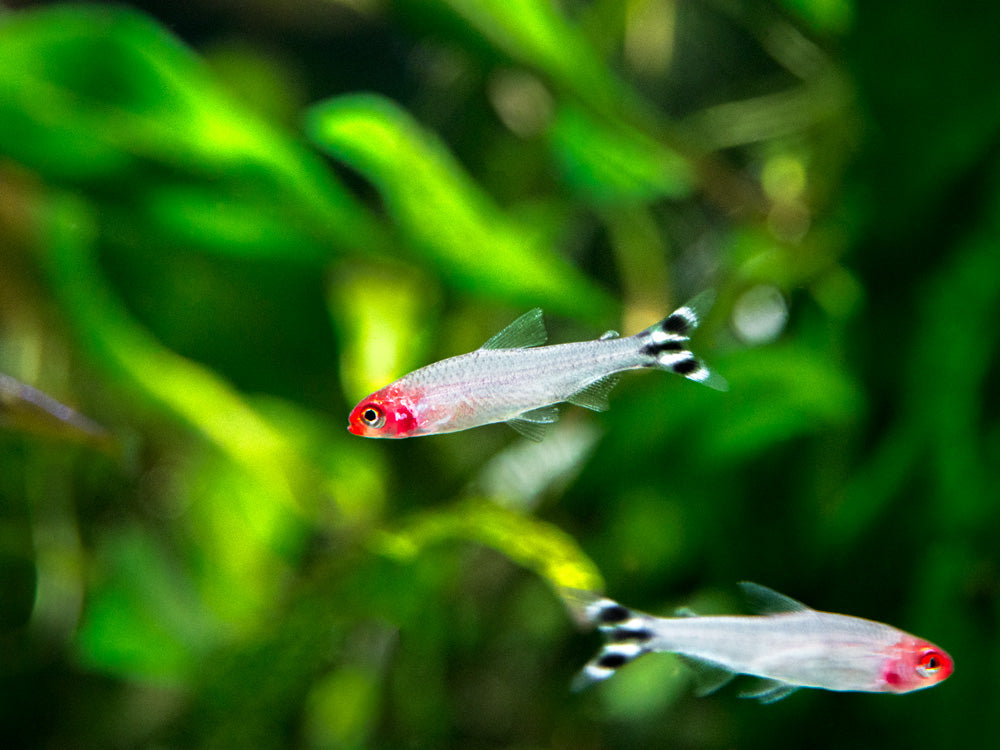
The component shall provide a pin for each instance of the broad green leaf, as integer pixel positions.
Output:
(142, 618)
(228, 219)
(92, 94)
(343, 707)
(649, 688)
(825, 16)
(537, 34)
(612, 162)
(804, 392)
(237, 576)
(190, 393)
(444, 214)
(939, 433)
(527, 541)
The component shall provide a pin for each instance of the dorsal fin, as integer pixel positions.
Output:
(595, 395)
(612, 334)
(528, 330)
(765, 601)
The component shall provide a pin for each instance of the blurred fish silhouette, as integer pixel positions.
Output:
(27, 409)
(787, 647)
(513, 379)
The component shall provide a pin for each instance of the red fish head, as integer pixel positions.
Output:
(382, 415)
(916, 664)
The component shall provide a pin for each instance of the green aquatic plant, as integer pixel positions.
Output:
(221, 229)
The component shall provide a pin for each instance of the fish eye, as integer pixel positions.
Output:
(373, 416)
(930, 663)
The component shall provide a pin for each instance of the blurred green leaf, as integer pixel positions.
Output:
(245, 221)
(614, 162)
(342, 707)
(825, 16)
(445, 215)
(805, 394)
(244, 573)
(527, 541)
(198, 397)
(92, 94)
(18, 589)
(539, 35)
(938, 434)
(143, 620)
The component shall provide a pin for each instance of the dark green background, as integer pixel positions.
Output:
(221, 224)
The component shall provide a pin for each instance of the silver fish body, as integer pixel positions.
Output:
(500, 385)
(515, 380)
(807, 649)
(793, 646)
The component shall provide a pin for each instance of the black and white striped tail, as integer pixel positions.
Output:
(666, 343)
(627, 633)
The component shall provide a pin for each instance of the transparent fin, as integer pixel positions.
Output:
(532, 424)
(534, 431)
(595, 395)
(709, 377)
(769, 691)
(685, 612)
(528, 330)
(699, 305)
(765, 601)
(543, 414)
(677, 326)
(708, 676)
(609, 335)
(582, 604)
(666, 343)
(628, 635)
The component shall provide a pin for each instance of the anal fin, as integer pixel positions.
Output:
(595, 395)
(708, 676)
(532, 424)
(767, 690)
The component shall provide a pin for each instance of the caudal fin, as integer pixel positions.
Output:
(627, 633)
(666, 343)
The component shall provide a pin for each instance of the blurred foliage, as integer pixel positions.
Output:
(221, 225)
